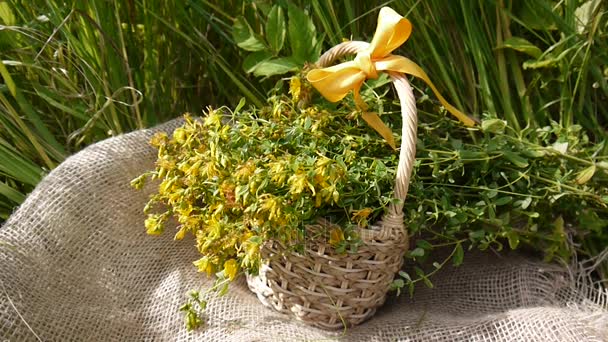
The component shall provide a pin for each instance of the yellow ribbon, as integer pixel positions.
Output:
(335, 82)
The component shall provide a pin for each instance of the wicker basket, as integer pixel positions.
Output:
(331, 290)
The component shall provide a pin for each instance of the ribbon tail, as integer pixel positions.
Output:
(361, 105)
(407, 66)
(373, 120)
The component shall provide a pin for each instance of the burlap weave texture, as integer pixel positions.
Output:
(76, 265)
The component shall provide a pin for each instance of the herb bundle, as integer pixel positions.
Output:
(237, 179)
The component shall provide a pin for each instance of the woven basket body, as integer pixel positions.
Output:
(332, 290)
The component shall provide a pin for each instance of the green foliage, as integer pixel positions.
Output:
(529, 62)
(264, 59)
(76, 72)
(193, 310)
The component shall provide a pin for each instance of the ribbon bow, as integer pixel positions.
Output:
(335, 82)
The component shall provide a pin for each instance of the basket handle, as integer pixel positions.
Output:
(407, 153)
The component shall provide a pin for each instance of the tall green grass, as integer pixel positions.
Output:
(76, 72)
(529, 62)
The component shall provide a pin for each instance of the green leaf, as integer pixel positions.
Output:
(57, 102)
(427, 282)
(256, 239)
(405, 276)
(244, 36)
(525, 203)
(560, 146)
(516, 159)
(545, 63)
(240, 105)
(536, 15)
(11, 193)
(275, 28)
(503, 200)
(466, 155)
(8, 80)
(522, 45)
(254, 59)
(458, 255)
(223, 289)
(398, 283)
(493, 125)
(7, 18)
(591, 220)
(277, 66)
(15, 165)
(417, 252)
(477, 234)
(424, 245)
(534, 153)
(585, 175)
(490, 193)
(302, 33)
(584, 14)
(513, 238)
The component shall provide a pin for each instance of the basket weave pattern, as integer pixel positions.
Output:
(332, 290)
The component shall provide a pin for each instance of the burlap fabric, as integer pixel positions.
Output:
(76, 265)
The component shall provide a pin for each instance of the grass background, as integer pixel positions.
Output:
(76, 72)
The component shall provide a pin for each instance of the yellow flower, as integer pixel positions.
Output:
(277, 172)
(154, 225)
(349, 156)
(184, 211)
(231, 268)
(175, 196)
(183, 166)
(336, 235)
(298, 182)
(210, 169)
(223, 133)
(250, 247)
(214, 118)
(319, 199)
(311, 112)
(194, 169)
(360, 216)
(180, 135)
(180, 233)
(295, 85)
(204, 265)
(227, 191)
(320, 180)
(158, 139)
(330, 193)
(245, 171)
(213, 226)
(277, 110)
(361, 213)
(322, 162)
(166, 163)
(139, 182)
(271, 205)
